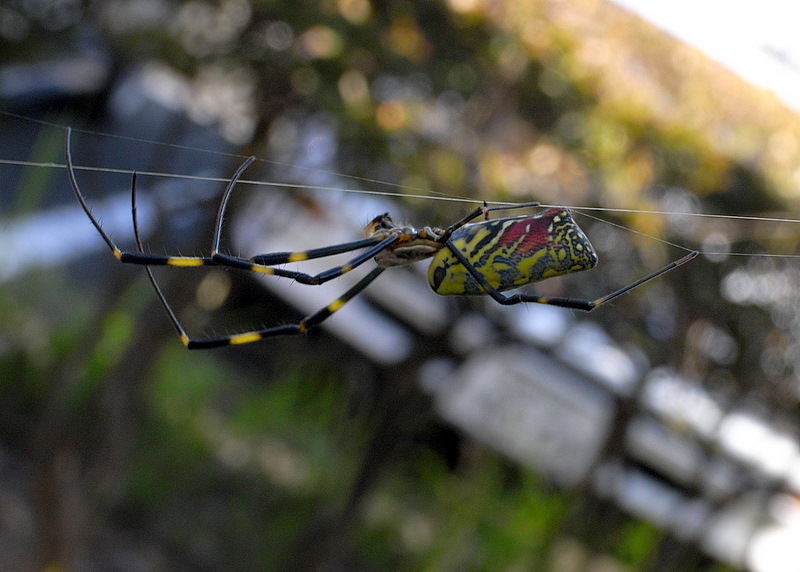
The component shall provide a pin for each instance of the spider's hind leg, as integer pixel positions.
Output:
(159, 293)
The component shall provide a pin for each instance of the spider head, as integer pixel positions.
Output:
(379, 223)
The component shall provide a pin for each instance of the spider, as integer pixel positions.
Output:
(482, 258)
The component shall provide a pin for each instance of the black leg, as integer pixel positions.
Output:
(310, 321)
(574, 303)
(302, 277)
(483, 210)
(302, 326)
(256, 264)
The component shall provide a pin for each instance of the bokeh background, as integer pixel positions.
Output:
(412, 432)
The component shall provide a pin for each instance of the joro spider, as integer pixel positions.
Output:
(483, 258)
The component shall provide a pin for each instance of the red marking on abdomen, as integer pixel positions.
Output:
(530, 233)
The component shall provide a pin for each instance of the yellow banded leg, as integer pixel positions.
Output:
(303, 278)
(301, 327)
(283, 257)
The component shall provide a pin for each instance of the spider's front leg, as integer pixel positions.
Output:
(481, 211)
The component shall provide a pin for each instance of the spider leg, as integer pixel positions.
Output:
(263, 263)
(578, 304)
(256, 264)
(159, 293)
(129, 257)
(310, 321)
(481, 211)
(301, 327)
(302, 277)
(283, 257)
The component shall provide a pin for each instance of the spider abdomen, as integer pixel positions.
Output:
(512, 252)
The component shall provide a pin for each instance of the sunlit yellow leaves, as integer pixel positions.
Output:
(467, 6)
(321, 42)
(391, 115)
(213, 290)
(354, 89)
(639, 75)
(511, 57)
(544, 159)
(406, 38)
(356, 11)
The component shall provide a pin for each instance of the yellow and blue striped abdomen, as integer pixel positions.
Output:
(512, 252)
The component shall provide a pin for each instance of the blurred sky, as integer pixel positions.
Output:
(757, 40)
